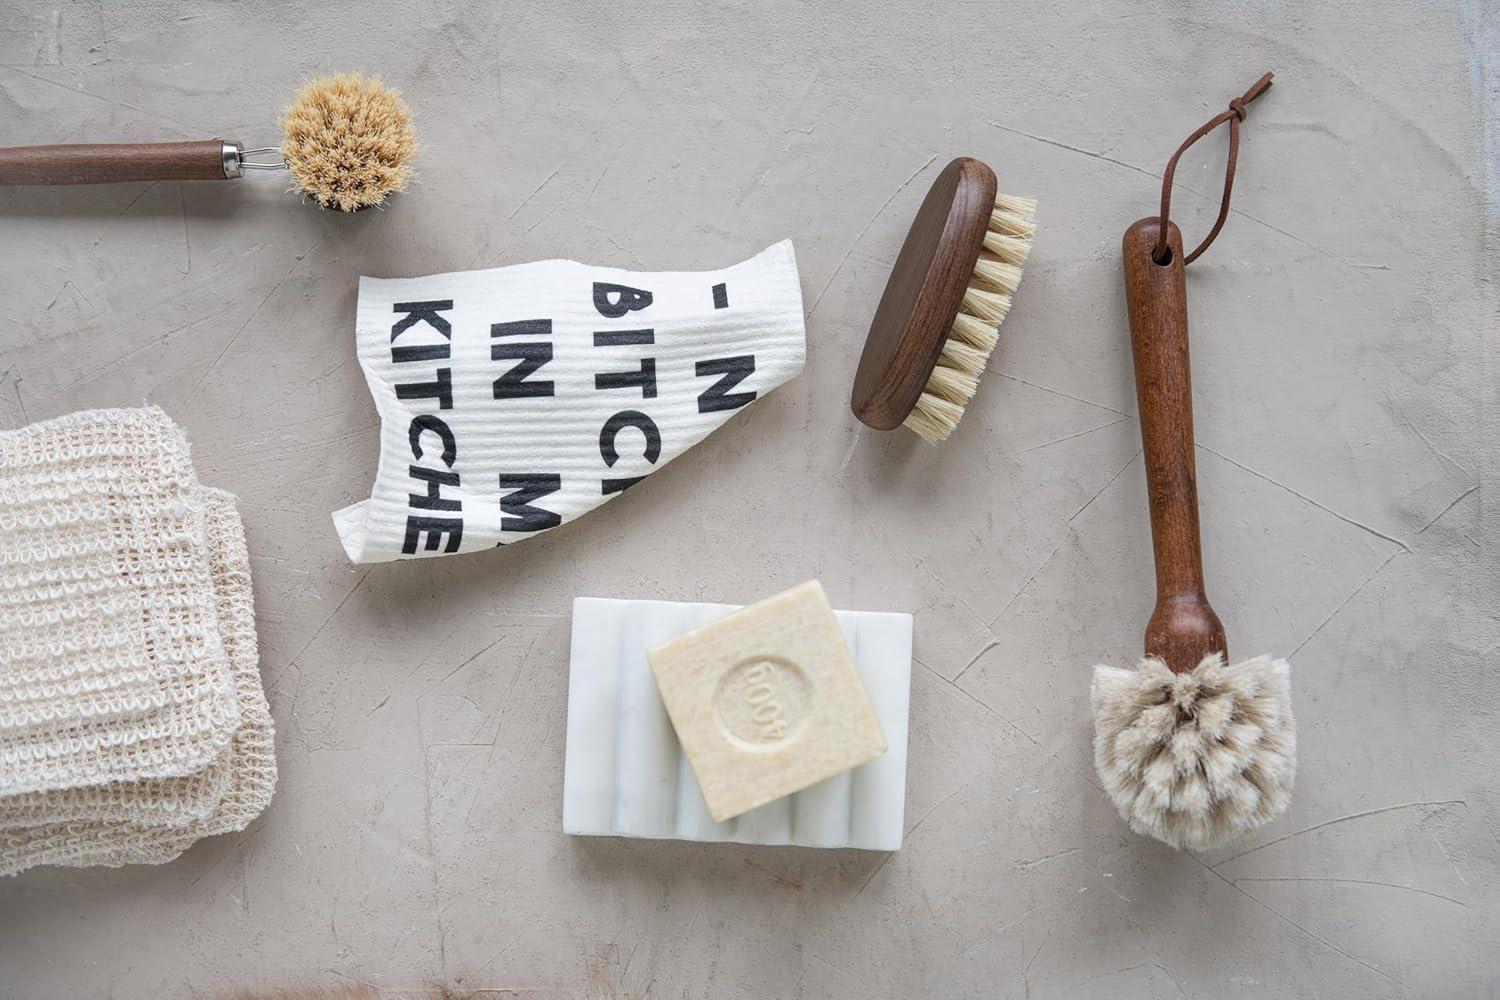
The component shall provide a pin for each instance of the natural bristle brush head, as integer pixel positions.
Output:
(349, 141)
(1200, 758)
(939, 318)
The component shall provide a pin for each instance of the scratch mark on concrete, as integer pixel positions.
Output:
(1303, 496)
(444, 679)
(319, 631)
(1179, 185)
(870, 222)
(545, 216)
(1456, 501)
(840, 970)
(1448, 857)
(1440, 453)
(982, 704)
(886, 204)
(107, 100)
(490, 961)
(1075, 434)
(144, 347)
(597, 181)
(121, 214)
(625, 970)
(187, 244)
(25, 418)
(437, 896)
(251, 832)
(1017, 596)
(624, 250)
(965, 693)
(1055, 392)
(1027, 969)
(1013, 921)
(1343, 604)
(365, 983)
(1292, 923)
(1356, 881)
(1108, 880)
(1026, 866)
(878, 869)
(515, 678)
(779, 879)
(1051, 755)
(947, 591)
(849, 454)
(65, 285)
(975, 658)
(1168, 973)
(246, 325)
(1435, 803)
(1075, 149)
(527, 200)
(1050, 555)
(942, 802)
(1106, 486)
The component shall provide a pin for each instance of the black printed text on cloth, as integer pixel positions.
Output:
(515, 399)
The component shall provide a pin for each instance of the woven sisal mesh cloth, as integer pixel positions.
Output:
(132, 718)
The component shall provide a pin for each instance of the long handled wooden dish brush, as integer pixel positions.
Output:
(348, 144)
(1192, 750)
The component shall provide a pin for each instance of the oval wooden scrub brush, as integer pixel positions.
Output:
(1192, 751)
(348, 145)
(940, 315)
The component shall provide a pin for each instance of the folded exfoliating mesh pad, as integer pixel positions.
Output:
(515, 399)
(132, 719)
(111, 664)
(625, 773)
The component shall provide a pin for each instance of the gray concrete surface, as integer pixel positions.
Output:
(1347, 406)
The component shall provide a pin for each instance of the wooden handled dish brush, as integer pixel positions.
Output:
(940, 315)
(348, 144)
(1193, 751)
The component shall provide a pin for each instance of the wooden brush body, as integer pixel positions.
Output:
(1183, 628)
(923, 293)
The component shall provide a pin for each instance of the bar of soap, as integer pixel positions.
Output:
(627, 776)
(766, 701)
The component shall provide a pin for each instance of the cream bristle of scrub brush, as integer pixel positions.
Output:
(348, 145)
(349, 141)
(1196, 759)
(939, 318)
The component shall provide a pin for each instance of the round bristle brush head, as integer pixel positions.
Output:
(1196, 759)
(948, 292)
(349, 141)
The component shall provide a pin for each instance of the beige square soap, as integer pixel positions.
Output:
(766, 701)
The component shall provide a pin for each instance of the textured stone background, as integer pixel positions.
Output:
(1346, 374)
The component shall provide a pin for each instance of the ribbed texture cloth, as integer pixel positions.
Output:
(515, 399)
(132, 718)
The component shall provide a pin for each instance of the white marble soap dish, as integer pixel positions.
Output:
(625, 774)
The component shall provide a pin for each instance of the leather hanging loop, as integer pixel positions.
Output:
(1233, 116)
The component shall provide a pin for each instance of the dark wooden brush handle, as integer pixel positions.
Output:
(1183, 629)
(110, 163)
